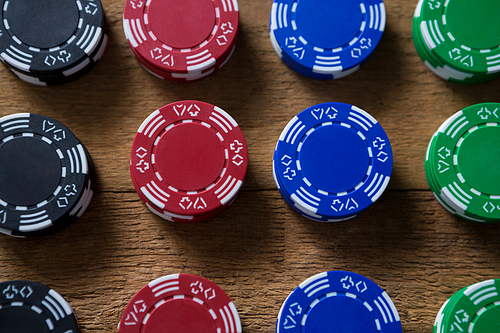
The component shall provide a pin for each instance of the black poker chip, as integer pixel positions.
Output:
(27, 306)
(51, 42)
(46, 175)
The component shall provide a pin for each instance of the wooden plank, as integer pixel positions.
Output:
(259, 249)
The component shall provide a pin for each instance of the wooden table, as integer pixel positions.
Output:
(259, 249)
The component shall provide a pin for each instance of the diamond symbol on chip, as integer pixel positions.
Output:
(237, 159)
(382, 156)
(62, 202)
(222, 40)
(356, 53)
(209, 294)
(286, 160)
(363, 289)
(50, 60)
(141, 152)
(489, 207)
(26, 291)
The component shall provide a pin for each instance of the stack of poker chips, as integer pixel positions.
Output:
(459, 40)
(326, 39)
(27, 306)
(51, 42)
(46, 175)
(461, 163)
(180, 303)
(338, 301)
(188, 161)
(181, 40)
(332, 161)
(474, 309)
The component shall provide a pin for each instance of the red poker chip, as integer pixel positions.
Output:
(181, 36)
(182, 218)
(180, 303)
(189, 158)
(183, 77)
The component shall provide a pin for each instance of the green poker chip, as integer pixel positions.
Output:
(474, 309)
(461, 163)
(459, 40)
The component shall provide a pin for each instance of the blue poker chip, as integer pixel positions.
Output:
(307, 71)
(326, 39)
(299, 209)
(338, 301)
(332, 161)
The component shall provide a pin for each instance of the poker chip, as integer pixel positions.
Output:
(332, 161)
(188, 161)
(474, 309)
(180, 303)
(338, 301)
(460, 163)
(27, 306)
(47, 42)
(325, 39)
(459, 40)
(181, 40)
(46, 176)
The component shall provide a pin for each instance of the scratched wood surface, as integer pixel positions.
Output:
(259, 249)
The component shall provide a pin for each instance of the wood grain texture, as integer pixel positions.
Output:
(259, 249)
